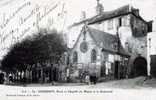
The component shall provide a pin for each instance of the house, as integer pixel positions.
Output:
(151, 51)
(124, 22)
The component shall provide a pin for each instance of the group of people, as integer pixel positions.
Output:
(3, 78)
(90, 78)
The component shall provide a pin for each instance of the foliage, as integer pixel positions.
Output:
(41, 47)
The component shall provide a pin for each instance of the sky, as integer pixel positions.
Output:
(146, 8)
(76, 6)
(66, 13)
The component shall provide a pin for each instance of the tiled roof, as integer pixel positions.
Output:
(111, 14)
(107, 41)
(104, 40)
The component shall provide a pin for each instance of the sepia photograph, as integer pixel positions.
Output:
(77, 46)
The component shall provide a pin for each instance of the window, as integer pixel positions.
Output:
(103, 68)
(93, 56)
(125, 21)
(115, 46)
(75, 57)
(110, 24)
(39, 73)
(120, 21)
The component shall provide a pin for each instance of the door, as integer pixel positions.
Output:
(116, 69)
(140, 66)
(103, 69)
(153, 64)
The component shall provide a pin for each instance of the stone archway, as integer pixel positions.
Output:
(140, 66)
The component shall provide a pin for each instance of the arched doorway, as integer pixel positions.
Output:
(140, 66)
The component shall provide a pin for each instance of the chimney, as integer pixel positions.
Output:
(83, 15)
(99, 8)
(154, 25)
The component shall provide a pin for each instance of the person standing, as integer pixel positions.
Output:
(10, 78)
(87, 78)
(1, 78)
(67, 74)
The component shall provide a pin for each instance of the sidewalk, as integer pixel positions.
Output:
(46, 84)
(55, 84)
(133, 83)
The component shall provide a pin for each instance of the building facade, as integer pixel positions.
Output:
(131, 31)
(98, 52)
(151, 51)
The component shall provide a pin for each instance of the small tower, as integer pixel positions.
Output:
(99, 8)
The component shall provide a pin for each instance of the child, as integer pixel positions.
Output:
(87, 79)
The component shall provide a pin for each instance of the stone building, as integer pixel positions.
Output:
(151, 51)
(98, 52)
(132, 32)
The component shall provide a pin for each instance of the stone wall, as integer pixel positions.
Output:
(85, 58)
(136, 47)
(103, 26)
(139, 27)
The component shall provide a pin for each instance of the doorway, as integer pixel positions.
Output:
(116, 71)
(140, 66)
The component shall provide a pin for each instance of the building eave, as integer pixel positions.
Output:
(111, 14)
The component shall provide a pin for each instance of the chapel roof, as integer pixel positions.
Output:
(107, 41)
(104, 40)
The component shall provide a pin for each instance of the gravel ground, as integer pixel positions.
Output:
(135, 83)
